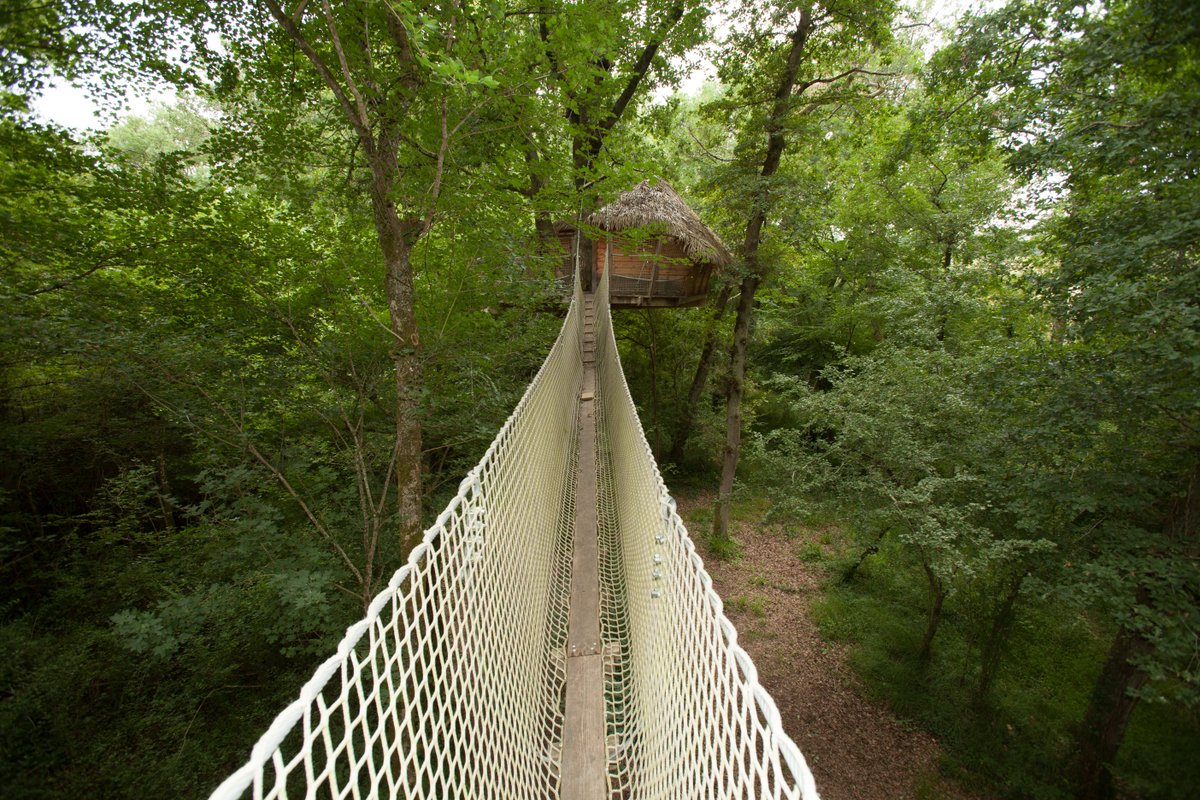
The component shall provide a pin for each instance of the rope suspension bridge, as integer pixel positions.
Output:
(553, 636)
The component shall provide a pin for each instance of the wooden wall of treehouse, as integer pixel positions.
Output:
(652, 272)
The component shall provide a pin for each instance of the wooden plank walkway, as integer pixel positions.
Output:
(584, 759)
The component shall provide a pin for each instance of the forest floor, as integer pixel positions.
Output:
(857, 749)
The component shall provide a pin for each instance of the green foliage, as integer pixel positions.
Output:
(1014, 746)
(1017, 431)
(723, 548)
(166, 591)
(811, 552)
(975, 349)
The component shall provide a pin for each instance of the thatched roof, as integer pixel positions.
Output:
(657, 204)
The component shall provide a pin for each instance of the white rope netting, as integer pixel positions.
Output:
(453, 685)
(686, 716)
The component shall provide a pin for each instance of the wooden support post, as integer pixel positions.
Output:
(584, 755)
(608, 258)
(654, 268)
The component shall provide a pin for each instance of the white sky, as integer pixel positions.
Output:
(71, 107)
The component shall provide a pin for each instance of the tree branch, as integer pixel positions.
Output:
(249, 447)
(706, 151)
(640, 68)
(322, 69)
(436, 188)
(855, 71)
(399, 32)
(286, 484)
(65, 282)
(340, 51)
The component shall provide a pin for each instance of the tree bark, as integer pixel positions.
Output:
(1107, 716)
(688, 420)
(652, 354)
(733, 406)
(943, 312)
(377, 126)
(396, 239)
(543, 225)
(776, 142)
(870, 550)
(993, 647)
(587, 259)
(935, 612)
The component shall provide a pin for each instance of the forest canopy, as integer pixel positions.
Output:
(251, 341)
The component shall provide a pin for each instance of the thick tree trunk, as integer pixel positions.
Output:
(733, 406)
(776, 141)
(652, 355)
(1107, 716)
(396, 239)
(943, 311)
(377, 127)
(408, 410)
(688, 420)
(587, 261)
(543, 225)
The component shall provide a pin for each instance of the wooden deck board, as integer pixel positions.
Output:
(584, 756)
(583, 767)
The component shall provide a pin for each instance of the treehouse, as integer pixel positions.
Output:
(660, 253)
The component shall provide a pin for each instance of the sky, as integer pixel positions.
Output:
(68, 106)
(71, 107)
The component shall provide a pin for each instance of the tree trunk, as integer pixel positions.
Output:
(652, 353)
(396, 239)
(377, 127)
(935, 612)
(587, 261)
(1111, 704)
(733, 406)
(1107, 716)
(776, 141)
(943, 311)
(688, 420)
(993, 647)
(543, 225)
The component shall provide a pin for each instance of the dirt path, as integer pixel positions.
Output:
(856, 749)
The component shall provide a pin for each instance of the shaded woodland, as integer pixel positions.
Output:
(250, 343)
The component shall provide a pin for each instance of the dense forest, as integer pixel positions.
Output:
(251, 341)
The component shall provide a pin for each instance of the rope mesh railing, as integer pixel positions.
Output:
(686, 716)
(453, 685)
